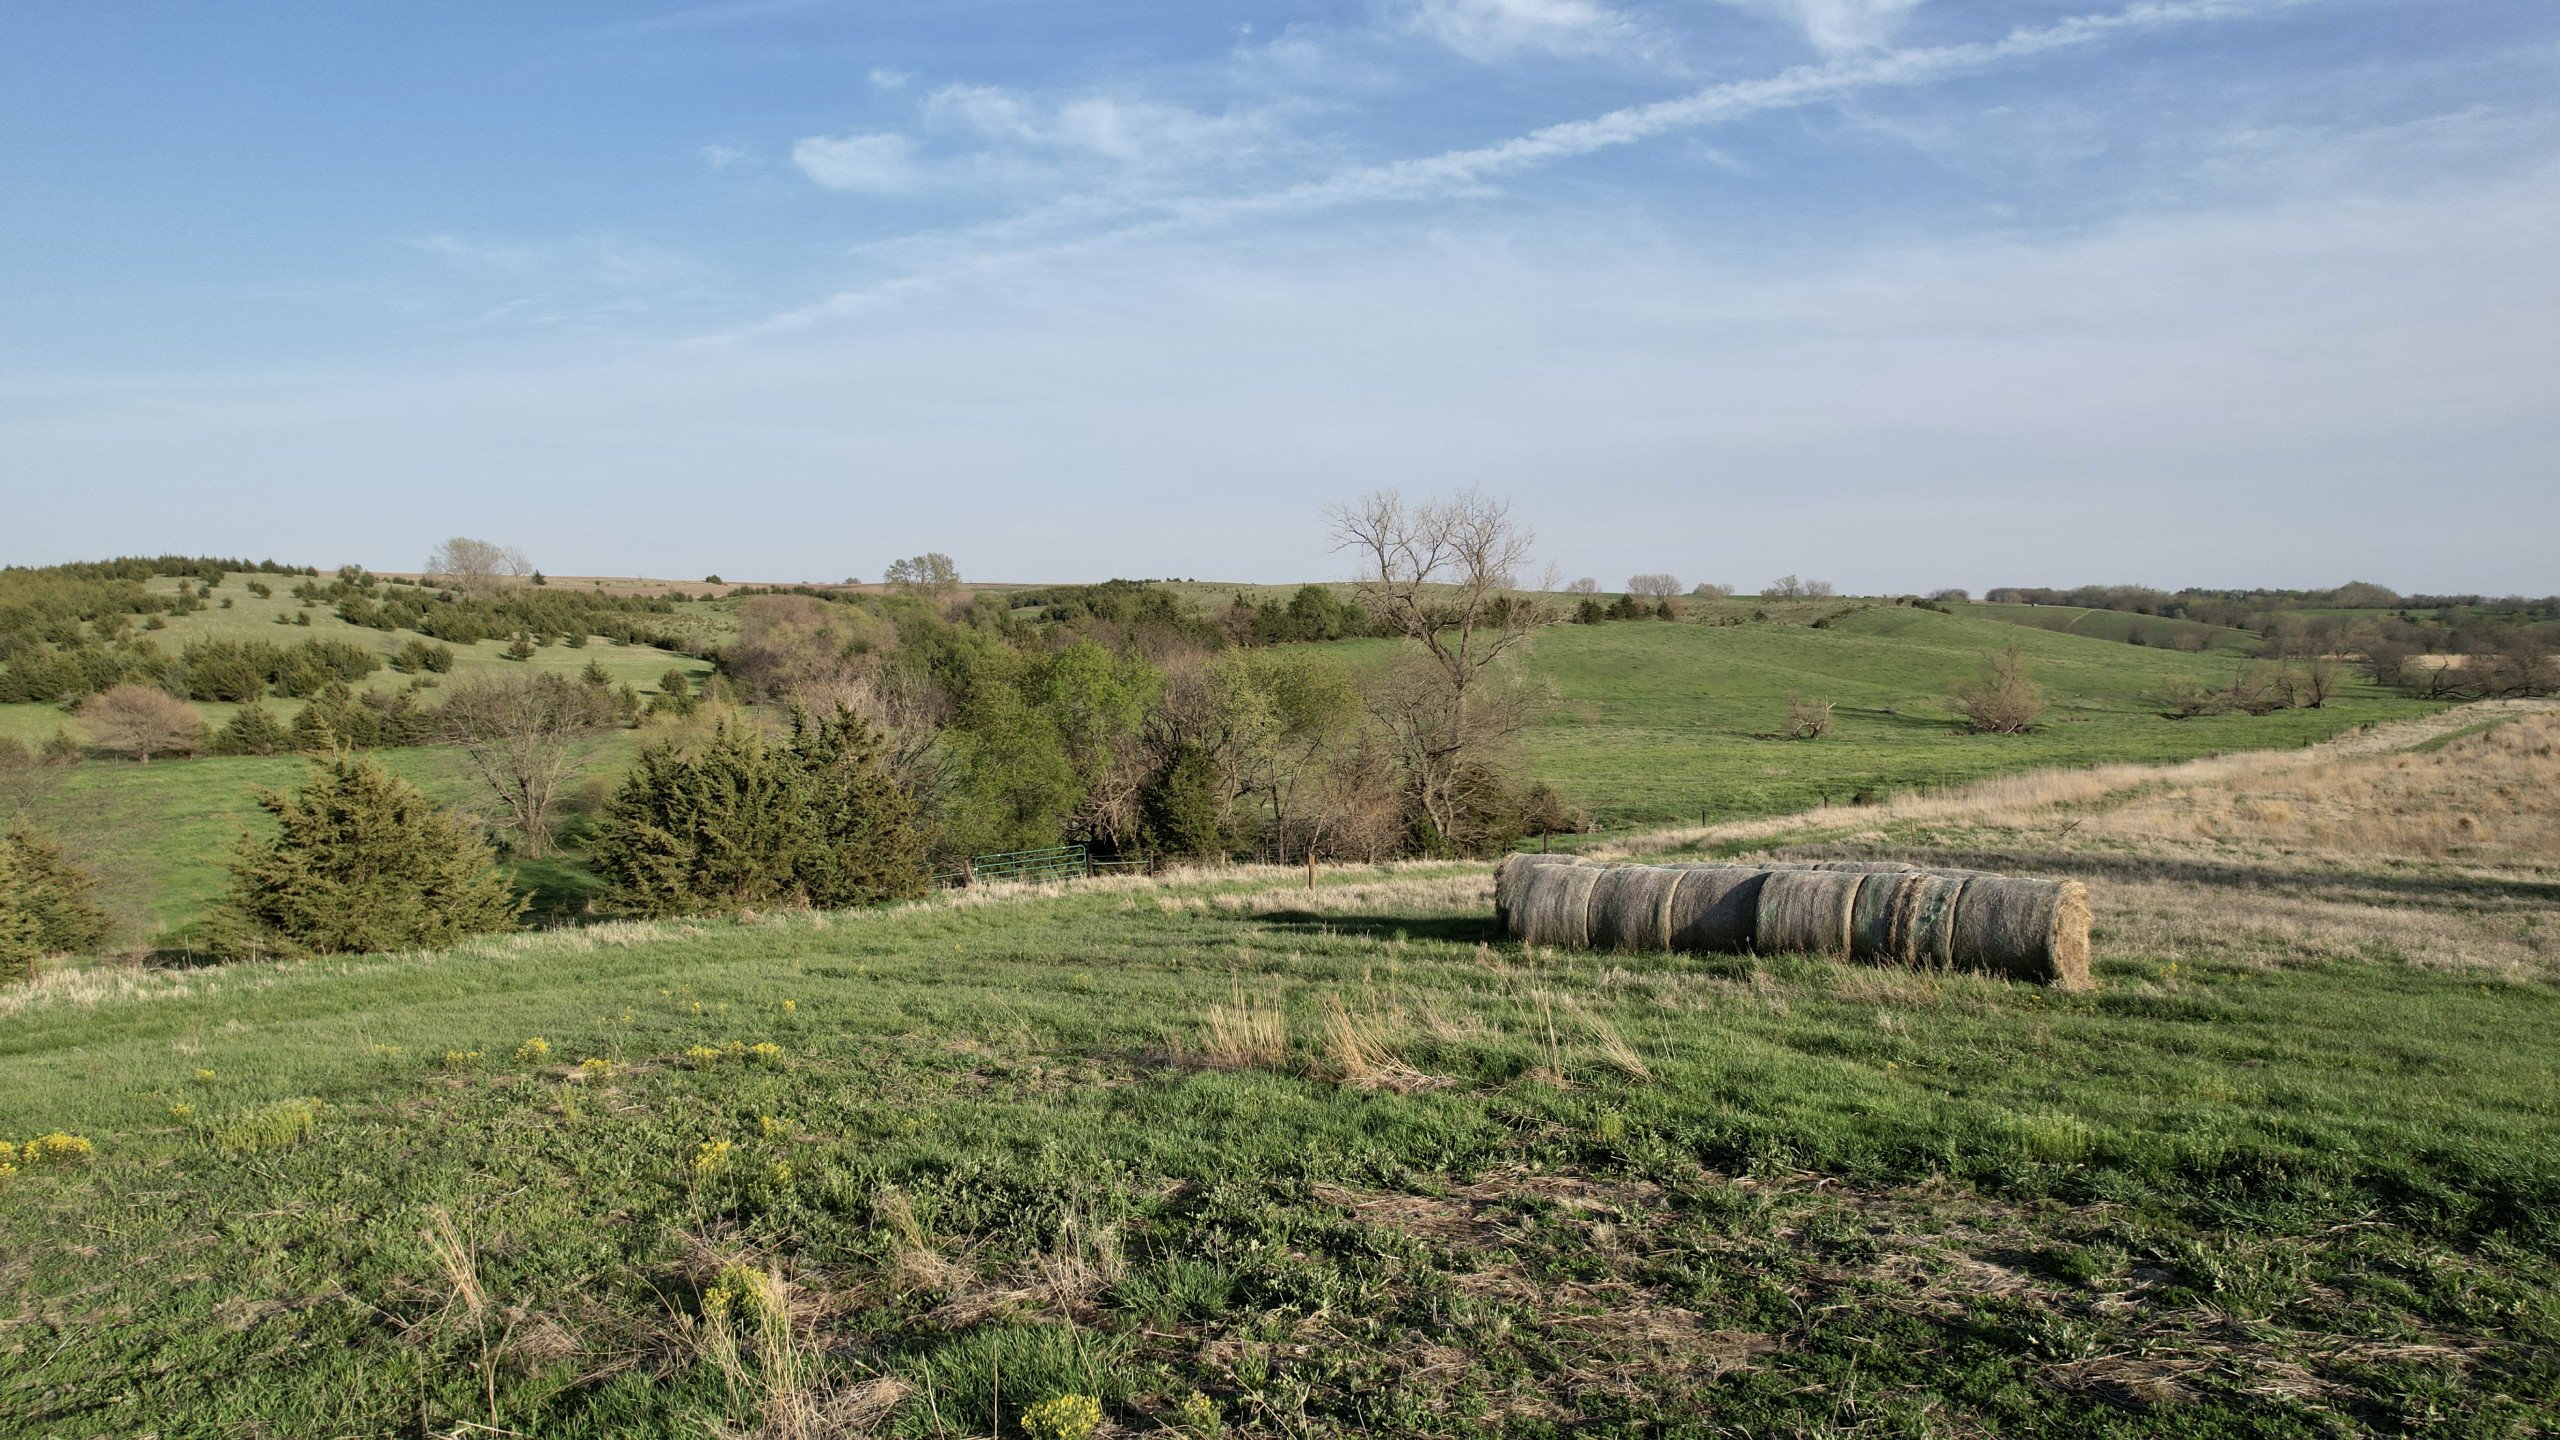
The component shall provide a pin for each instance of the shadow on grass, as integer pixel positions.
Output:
(1452, 929)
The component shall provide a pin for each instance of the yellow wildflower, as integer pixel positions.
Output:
(702, 1057)
(56, 1149)
(711, 1158)
(790, 1005)
(204, 1077)
(533, 1051)
(1068, 1417)
(595, 1067)
(764, 1052)
(456, 1059)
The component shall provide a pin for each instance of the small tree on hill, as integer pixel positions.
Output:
(522, 734)
(2002, 700)
(44, 905)
(476, 567)
(363, 862)
(252, 730)
(931, 573)
(143, 722)
(1653, 587)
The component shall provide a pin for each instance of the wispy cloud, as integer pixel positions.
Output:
(878, 162)
(1491, 30)
(1837, 27)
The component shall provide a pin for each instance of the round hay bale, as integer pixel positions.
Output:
(1715, 907)
(1511, 873)
(1806, 912)
(1555, 906)
(1861, 867)
(1631, 907)
(2025, 929)
(1920, 929)
(1871, 918)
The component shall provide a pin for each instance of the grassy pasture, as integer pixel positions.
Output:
(2118, 625)
(1349, 1162)
(1659, 721)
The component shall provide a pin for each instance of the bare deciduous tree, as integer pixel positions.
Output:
(1709, 590)
(1584, 586)
(1446, 575)
(523, 733)
(476, 567)
(2002, 700)
(1807, 719)
(1653, 587)
(1785, 587)
(143, 722)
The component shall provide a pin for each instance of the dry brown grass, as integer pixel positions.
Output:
(1242, 1033)
(1364, 1048)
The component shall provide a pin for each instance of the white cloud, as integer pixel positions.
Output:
(722, 157)
(886, 79)
(1490, 30)
(1838, 27)
(878, 162)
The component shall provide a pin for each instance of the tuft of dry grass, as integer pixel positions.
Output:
(1363, 1049)
(1243, 1033)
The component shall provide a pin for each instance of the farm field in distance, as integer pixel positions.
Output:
(1235, 1158)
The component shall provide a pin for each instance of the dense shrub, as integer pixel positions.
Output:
(363, 862)
(742, 822)
(2002, 700)
(44, 904)
(252, 730)
(142, 722)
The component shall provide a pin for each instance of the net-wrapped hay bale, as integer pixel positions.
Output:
(1555, 906)
(1512, 873)
(1806, 912)
(1631, 907)
(1716, 907)
(1921, 928)
(2025, 929)
(1871, 917)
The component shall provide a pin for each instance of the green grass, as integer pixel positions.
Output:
(2118, 625)
(2251, 1195)
(1657, 721)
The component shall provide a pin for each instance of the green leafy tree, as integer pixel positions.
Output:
(44, 904)
(362, 862)
(864, 844)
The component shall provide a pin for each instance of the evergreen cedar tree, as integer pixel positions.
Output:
(1183, 816)
(44, 905)
(742, 822)
(364, 862)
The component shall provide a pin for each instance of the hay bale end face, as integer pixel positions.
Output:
(2025, 929)
(1878, 911)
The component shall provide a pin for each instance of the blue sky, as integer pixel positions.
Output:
(1902, 293)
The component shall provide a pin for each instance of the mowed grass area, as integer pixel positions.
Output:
(1340, 1163)
(1656, 721)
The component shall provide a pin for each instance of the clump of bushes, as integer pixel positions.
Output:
(743, 822)
(362, 862)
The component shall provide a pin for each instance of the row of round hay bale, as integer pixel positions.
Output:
(1881, 911)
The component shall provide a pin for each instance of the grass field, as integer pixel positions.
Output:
(1656, 722)
(2121, 626)
(1350, 1162)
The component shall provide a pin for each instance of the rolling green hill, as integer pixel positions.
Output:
(2121, 626)
(1656, 721)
